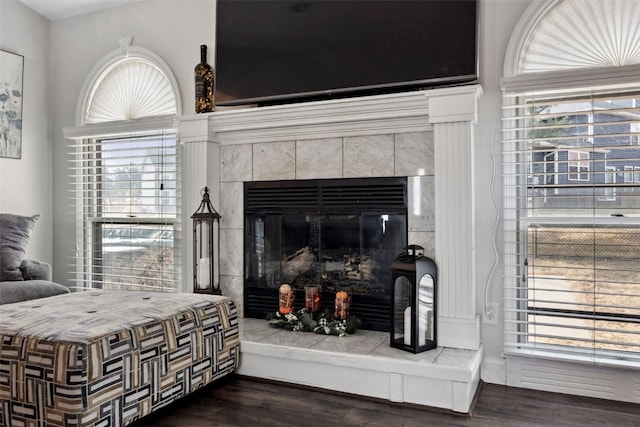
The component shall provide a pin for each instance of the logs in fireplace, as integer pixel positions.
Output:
(340, 234)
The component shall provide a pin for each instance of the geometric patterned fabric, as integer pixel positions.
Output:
(108, 358)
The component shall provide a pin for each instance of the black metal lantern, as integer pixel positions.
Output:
(206, 247)
(413, 316)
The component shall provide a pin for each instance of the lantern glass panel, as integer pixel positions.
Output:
(215, 247)
(402, 310)
(425, 309)
(203, 256)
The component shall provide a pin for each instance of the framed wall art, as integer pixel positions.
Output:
(11, 75)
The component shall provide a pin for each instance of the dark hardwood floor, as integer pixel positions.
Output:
(242, 401)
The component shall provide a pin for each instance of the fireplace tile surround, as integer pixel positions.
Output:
(426, 136)
(404, 154)
(282, 161)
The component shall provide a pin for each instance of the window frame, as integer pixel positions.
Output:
(610, 172)
(89, 256)
(581, 165)
(162, 104)
(628, 174)
(518, 185)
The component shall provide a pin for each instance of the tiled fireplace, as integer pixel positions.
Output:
(425, 137)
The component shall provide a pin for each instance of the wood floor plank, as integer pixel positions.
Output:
(238, 401)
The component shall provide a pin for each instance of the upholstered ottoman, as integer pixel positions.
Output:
(107, 358)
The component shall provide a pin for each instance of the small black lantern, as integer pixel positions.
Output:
(206, 247)
(413, 315)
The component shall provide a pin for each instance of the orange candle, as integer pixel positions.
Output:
(312, 298)
(287, 297)
(342, 306)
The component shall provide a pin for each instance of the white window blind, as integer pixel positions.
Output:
(572, 223)
(128, 212)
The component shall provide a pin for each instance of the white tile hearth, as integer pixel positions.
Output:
(362, 364)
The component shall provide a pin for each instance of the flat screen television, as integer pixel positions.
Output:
(293, 50)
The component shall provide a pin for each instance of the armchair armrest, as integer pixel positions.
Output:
(35, 270)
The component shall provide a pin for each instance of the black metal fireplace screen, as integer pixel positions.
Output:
(341, 234)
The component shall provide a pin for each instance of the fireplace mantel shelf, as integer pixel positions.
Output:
(373, 115)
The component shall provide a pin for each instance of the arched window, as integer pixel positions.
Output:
(127, 172)
(574, 35)
(572, 112)
(130, 89)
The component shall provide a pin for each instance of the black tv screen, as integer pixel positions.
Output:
(282, 51)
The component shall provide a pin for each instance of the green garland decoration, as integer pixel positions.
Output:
(303, 321)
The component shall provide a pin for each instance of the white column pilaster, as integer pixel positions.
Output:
(201, 168)
(453, 118)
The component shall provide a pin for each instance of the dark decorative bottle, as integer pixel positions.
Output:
(204, 79)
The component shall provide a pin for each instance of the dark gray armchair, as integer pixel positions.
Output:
(36, 283)
(22, 279)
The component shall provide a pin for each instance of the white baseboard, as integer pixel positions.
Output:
(493, 370)
(602, 382)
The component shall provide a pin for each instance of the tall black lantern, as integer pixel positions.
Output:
(206, 247)
(413, 316)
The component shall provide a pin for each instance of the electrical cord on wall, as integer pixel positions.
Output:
(489, 314)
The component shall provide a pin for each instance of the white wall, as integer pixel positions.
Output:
(498, 19)
(174, 30)
(25, 184)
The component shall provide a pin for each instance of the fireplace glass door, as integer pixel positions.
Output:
(341, 249)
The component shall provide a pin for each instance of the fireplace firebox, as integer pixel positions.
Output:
(339, 234)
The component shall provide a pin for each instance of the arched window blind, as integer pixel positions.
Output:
(578, 34)
(129, 90)
(127, 175)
